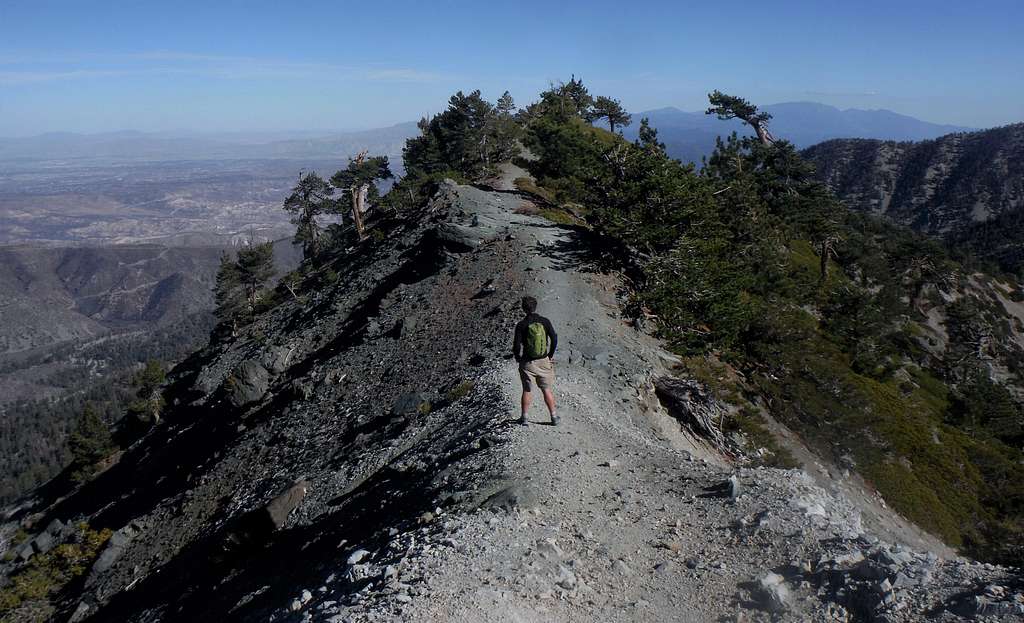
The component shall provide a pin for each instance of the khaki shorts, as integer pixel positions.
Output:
(539, 372)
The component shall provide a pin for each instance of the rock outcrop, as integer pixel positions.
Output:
(967, 187)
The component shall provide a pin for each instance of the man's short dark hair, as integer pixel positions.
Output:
(529, 304)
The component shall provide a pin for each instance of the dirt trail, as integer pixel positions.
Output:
(610, 516)
(611, 525)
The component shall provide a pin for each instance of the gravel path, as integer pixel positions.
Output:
(618, 514)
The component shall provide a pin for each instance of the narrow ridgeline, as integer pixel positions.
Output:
(353, 456)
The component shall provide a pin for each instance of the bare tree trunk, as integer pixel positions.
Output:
(252, 298)
(763, 134)
(824, 260)
(364, 191)
(154, 409)
(359, 207)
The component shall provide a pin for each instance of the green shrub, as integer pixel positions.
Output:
(559, 216)
(751, 424)
(90, 443)
(459, 391)
(47, 574)
(527, 185)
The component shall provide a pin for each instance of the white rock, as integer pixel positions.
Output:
(566, 578)
(735, 488)
(357, 556)
(772, 592)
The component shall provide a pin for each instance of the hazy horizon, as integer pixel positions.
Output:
(288, 133)
(210, 67)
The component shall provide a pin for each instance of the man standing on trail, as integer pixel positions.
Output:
(533, 347)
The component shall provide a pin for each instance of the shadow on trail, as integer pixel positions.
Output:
(577, 249)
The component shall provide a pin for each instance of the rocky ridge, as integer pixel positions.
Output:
(353, 457)
(967, 188)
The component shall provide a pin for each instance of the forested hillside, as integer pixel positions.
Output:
(966, 188)
(78, 322)
(870, 341)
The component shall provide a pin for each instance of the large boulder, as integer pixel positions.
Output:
(277, 511)
(255, 527)
(115, 547)
(772, 593)
(55, 528)
(410, 404)
(516, 496)
(277, 358)
(25, 552)
(43, 543)
(248, 383)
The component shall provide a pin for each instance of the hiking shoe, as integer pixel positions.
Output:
(523, 422)
(555, 420)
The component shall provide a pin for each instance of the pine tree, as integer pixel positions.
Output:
(310, 197)
(610, 109)
(467, 140)
(567, 99)
(648, 136)
(577, 94)
(505, 130)
(148, 402)
(462, 133)
(255, 268)
(732, 107)
(90, 443)
(505, 105)
(228, 296)
(422, 154)
(359, 180)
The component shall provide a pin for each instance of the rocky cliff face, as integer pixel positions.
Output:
(352, 456)
(56, 294)
(958, 186)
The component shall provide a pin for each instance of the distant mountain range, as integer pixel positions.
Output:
(966, 188)
(689, 136)
(139, 146)
(54, 294)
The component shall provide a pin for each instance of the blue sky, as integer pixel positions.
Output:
(237, 66)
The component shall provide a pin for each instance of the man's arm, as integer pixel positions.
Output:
(517, 343)
(551, 336)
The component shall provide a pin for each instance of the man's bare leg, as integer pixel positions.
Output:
(527, 399)
(549, 400)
